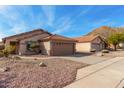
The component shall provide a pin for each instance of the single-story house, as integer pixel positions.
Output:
(1, 45)
(41, 42)
(89, 42)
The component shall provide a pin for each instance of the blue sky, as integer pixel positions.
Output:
(71, 21)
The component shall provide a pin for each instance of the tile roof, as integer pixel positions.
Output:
(27, 33)
(87, 38)
(59, 37)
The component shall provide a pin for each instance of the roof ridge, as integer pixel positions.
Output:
(28, 32)
(87, 38)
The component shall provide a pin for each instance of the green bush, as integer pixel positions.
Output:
(7, 51)
(2, 47)
(1, 54)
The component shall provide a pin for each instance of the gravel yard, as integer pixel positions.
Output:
(118, 53)
(28, 74)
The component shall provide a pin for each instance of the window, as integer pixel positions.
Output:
(32, 45)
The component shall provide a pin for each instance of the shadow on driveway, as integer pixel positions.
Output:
(81, 54)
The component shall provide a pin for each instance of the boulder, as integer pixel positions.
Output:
(4, 69)
(100, 54)
(105, 51)
(42, 64)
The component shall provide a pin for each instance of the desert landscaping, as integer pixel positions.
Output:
(57, 61)
(26, 73)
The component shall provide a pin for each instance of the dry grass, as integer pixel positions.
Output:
(28, 73)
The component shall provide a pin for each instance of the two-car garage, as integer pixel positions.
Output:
(62, 48)
(60, 45)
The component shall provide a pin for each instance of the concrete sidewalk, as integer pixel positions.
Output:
(107, 74)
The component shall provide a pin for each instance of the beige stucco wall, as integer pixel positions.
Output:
(83, 47)
(45, 47)
(23, 49)
(22, 43)
(87, 46)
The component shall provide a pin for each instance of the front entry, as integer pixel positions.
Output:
(96, 46)
(15, 46)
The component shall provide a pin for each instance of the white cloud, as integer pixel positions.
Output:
(100, 22)
(20, 28)
(8, 12)
(17, 29)
(85, 11)
(49, 12)
(2, 35)
(63, 25)
(13, 17)
(62, 29)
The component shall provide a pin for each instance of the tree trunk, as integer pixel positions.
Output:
(115, 48)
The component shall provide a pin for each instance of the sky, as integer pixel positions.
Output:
(71, 21)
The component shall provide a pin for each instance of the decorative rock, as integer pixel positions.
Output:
(42, 64)
(93, 50)
(100, 54)
(35, 58)
(105, 51)
(4, 69)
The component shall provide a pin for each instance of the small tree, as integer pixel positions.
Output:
(121, 37)
(115, 39)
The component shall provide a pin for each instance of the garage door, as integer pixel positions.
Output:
(59, 49)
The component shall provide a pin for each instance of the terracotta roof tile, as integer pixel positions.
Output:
(88, 38)
(59, 37)
(26, 33)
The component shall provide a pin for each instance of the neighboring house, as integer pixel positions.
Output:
(121, 45)
(1, 45)
(41, 42)
(87, 43)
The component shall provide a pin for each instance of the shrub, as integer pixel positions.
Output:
(2, 47)
(7, 51)
(1, 54)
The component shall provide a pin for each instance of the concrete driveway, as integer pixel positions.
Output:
(107, 74)
(89, 59)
